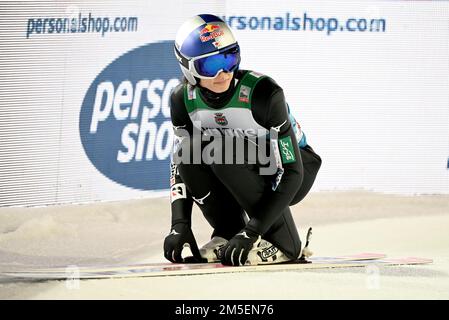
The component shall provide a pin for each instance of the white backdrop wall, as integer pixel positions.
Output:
(368, 81)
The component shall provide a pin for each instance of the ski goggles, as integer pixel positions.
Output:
(208, 66)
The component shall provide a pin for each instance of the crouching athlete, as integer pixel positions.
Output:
(247, 209)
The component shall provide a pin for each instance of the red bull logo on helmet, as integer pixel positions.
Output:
(210, 32)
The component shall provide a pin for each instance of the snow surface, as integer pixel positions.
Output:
(133, 231)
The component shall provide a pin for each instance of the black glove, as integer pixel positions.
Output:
(235, 253)
(181, 236)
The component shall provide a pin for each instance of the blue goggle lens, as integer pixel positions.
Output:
(226, 61)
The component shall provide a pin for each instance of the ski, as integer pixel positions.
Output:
(101, 268)
(158, 270)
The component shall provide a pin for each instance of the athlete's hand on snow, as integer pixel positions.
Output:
(181, 236)
(236, 251)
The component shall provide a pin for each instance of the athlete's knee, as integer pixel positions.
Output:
(311, 158)
(311, 165)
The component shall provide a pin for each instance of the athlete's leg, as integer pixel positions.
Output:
(248, 187)
(219, 207)
(217, 204)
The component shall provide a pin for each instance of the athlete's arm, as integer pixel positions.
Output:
(181, 234)
(181, 201)
(270, 110)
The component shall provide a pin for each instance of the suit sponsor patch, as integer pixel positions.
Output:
(178, 191)
(286, 149)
